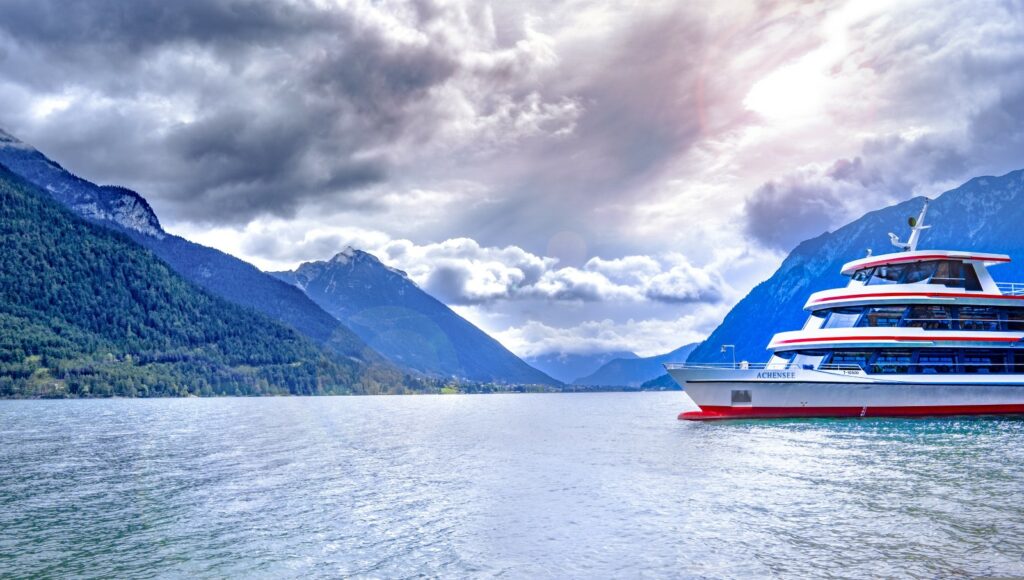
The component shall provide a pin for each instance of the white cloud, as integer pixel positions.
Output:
(647, 337)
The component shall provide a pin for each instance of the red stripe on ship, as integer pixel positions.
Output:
(713, 412)
(921, 294)
(904, 338)
(929, 257)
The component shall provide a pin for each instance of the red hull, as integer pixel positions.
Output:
(717, 413)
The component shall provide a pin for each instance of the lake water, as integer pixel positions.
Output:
(519, 486)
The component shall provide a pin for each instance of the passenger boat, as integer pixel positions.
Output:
(914, 333)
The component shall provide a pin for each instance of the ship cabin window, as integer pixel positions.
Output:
(863, 275)
(930, 317)
(956, 275)
(893, 362)
(950, 273)
(808, 359)
(979, 318)
(887, 274)
(919, 272)
(932, 361)
(815, 320)
(843, 318)
(1015, 319)
(849, 359)
(883, 316)
(936, 362)
(984, 361)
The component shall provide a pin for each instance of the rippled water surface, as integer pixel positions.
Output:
(599, 485)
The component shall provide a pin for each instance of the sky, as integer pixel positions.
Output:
(570, 176)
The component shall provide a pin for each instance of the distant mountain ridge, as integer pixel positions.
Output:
(984, 214)
(634, 372)
(224, 275)
(404, 323)
(568, 367)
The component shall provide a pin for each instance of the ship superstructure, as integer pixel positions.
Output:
(916, 332)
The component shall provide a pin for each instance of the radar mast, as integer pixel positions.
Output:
(916, 226)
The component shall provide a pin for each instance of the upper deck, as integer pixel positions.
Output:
(851, 268)
(921, 277)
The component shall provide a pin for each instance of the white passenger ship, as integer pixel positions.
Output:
(915, 333)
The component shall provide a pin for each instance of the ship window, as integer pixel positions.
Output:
(936, 362)
(929, 317)
(741, 397)
(983, 361)
(883, 316)
(815, 320)
(956, 275)
(1018, 359)
(851, 359)
(892, 362)
(863, 275)
(843, 318)
(1015, 319)
(979, 318)
(971, 278)
(948, 274)
(919, 272)
(887, 274)
(808, 359)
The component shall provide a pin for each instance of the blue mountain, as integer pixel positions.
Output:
(567, 367)
(986, 214)
(223, 275)
(404, 323)
(633, 372)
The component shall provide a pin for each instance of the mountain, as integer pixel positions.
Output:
(84, 311)
(404, 323)
(223, 275)
(985, 215)
(633, 372)
(566, 367)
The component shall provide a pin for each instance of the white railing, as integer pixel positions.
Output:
(1011, 288)
(744, 366)
(728, 366)
(896, 366)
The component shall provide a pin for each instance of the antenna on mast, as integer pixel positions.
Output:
(916, 226)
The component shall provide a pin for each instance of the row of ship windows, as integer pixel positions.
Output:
(929, 317)
(911, 361)
(945, 272)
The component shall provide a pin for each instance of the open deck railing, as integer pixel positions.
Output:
(1011, 288)
(879, 367)
(756, 366)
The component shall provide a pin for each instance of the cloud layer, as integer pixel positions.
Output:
(552, 169)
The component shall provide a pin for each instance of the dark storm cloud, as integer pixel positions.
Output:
(281, 103)
(802, 204)
(66, 27)
(781, 214)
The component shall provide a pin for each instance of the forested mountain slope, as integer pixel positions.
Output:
(86, 311)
